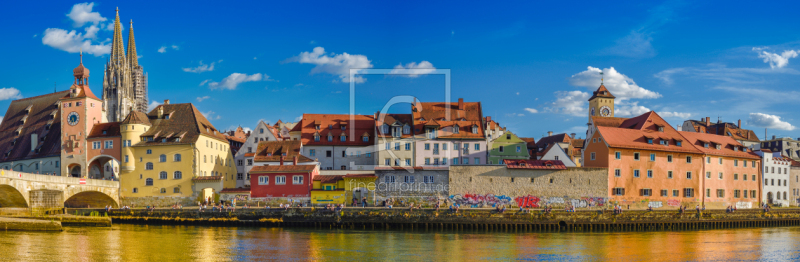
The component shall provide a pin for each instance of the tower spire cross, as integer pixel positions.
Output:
(601, 77)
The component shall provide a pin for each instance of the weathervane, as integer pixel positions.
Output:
(601, 77)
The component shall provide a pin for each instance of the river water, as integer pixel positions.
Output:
(184, 243)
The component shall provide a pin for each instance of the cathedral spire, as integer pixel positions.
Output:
(117, 49)
(132, 58)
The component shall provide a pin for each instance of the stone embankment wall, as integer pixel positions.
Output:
(471, 218)
(24, 224)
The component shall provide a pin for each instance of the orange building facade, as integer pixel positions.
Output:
(650, 164)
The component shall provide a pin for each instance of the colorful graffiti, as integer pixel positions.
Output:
(477, 200)
(594, 201)
(655, 204)
(673, 202)
(528, 201)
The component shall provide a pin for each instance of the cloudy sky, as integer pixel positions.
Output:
(532, 65)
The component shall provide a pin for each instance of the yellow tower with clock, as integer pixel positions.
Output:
(601, 103)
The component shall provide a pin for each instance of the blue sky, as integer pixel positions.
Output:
(532, 65)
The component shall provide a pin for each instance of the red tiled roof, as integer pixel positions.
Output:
(578, 143)
(249, 154)
(328, 179)
(534, 164)
(391, 119)
(727, 145)
(632, 134)
(529, 141)
(234, 190)
(136, 117)
(794, 163)
(608, 121)
(332, 124)
(726, 129)
(546, 141)
(415, 168)
(601, 92)
(43, 111)
(185, 122)
(766, 150)
(434, 113)
(284, 168)
(271, 151)
(110, 129)
(361, 175)
(207, 178)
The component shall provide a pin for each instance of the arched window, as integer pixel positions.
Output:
(177, 175)
(176, 158)
(135, 190)
(176, 190)
(162, 158)
(162, 175)
(163, 190)
(148, 182)
(204, 159)
(148, 166)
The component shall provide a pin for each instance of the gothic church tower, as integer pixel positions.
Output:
(124, 81)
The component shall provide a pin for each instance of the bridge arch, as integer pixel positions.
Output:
(11, 197)
(93, 199)
(103, 167)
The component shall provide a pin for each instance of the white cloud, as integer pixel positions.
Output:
(297, 119)
(163, 48)
(335, 64)
(620, 85)
(211, 115)
(629, 109)
(774, 59)
(769, 121)
(422, 68)
(531, 110)
(199, 69)
(9, 93)
(675, 115)
(200, 99)
(82, 14)
(570, 102)
(233, 80)
(73, 42)
(204, 82)
(153, 105)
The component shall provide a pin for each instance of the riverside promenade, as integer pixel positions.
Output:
(464, 219)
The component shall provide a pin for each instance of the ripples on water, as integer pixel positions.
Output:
(183, 243)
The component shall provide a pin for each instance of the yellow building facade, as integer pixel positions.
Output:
(173, 155)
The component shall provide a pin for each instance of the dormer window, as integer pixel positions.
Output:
(385, 129)
(330, 138)
(474, 129)
(343, 138)
(330, 126)
(719, 147)
(104, 132)
(316, 127)
(678, 143)
(344, 127)
(316, 138)
(664, 142)
(406, 130)
(178, 140)
(421, 119)
(649, 140)
(166, 117)
(455, 129)
(705, 145)
(660, 129)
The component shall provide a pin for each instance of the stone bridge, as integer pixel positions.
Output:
(27, 190)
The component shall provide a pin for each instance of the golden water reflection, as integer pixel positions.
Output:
(183, 243)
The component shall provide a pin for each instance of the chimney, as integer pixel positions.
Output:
(708, 121)
(414, 105)
(166, 101)
(773, 137)
(572, 135)
(294, 160)
(460, 104)
(488, 119)
(740, 124)
(248, 133)
(549, 133)
(281, 159)
(377, 114)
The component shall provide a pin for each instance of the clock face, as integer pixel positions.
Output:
(605, 111)
(73, 118)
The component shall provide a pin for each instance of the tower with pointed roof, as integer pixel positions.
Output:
(601, 103)
(80, 111)
(124, 80)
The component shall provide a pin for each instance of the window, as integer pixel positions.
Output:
(708, 174)
(387, 162)
(109, 144)
(744, 177)
(96, 145)
(397, 162)
(408, 161)
(669, 158)
(708, 192)
(476, 161)
(330, 138)
(365, 138)
(519, 149)
(263, 180)
(744, 163)
(735, 162)
(501, 149)
(652, 157)
(343, 167)
(618, 155)
(689, 175)
(477, 147)
(312, 152)
(754, 164)
(250, 162)
(176, 158)
(239, 162)
(618, 191)
(720, 161)
(688, 192)
(427, 146)
(455, 161)
(688, 159)
(148, 166)
(427, 161)
(736, 193)
(388, 179)
(465, 161)
(636, 173)
(427, 179)
(409, 179)
(343, 138)
(649, 140)
(669, 174)
(649, 173)
(297, 180)
(647, 192)
(592, 155)
(280, 180)
(126, 159)
(149, 151)
(408, 146)
(177, 175)
(617, 173)
(708, 160)
(675, 192)
(636, 156)
(162, 158)
(328, 153)
(162, 175)
(720, 193)
(135, 190)
(148, 182)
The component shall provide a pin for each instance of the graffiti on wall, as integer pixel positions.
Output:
(654, 204)
(528, 201)
(744, 205)
(673, 202)
(477, 200)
